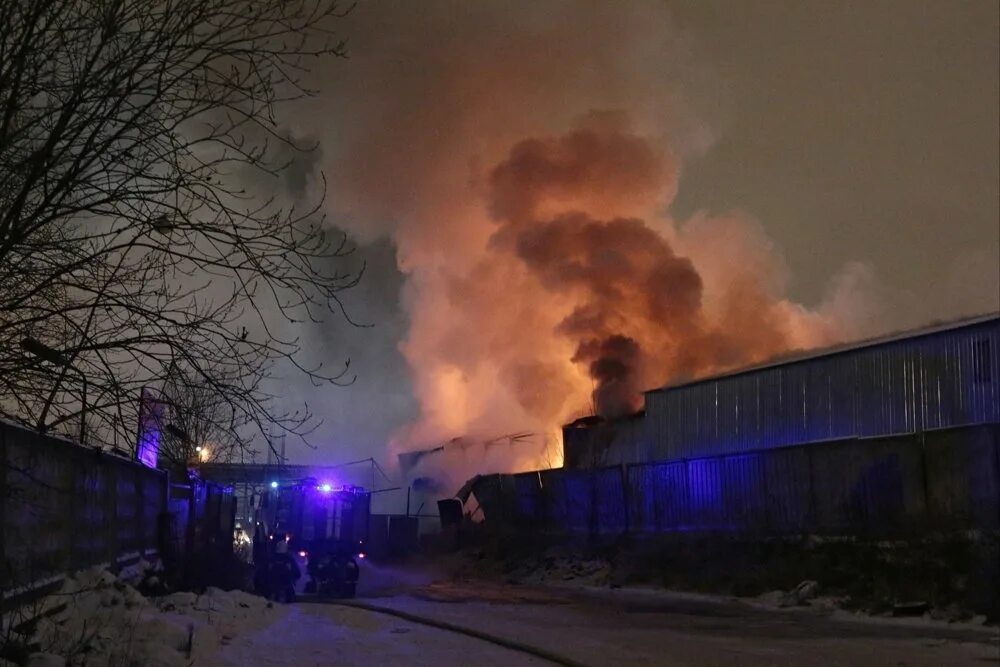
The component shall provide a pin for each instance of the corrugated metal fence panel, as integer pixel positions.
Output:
(786, 478)
(153, 501)
(963, 483)
(873, 486)
(554, 503)
(91, 519)
(610, 498)
(127, 508)
(743, 493)
(38, 503)
(841, 487)
(487, 491)
(704, 486)
(575, 445)
(671, 507)
(641, 499)
(67, 507)
(579, 501)
(529, 500)
(180, 507)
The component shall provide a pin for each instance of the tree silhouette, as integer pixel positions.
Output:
(128, 243)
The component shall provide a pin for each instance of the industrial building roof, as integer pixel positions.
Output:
(806, 355)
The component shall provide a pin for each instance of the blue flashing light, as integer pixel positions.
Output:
(274, 485)
(326, 488)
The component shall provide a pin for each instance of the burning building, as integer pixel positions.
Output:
(939, 377)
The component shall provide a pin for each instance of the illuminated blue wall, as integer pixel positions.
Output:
(935, 380)
(947, 479)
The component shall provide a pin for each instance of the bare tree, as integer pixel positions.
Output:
(128, 246)
(199, 425)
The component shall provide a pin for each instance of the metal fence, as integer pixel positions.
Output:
(946, 479)
(64, 507)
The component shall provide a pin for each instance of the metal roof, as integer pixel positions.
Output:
(807, 355)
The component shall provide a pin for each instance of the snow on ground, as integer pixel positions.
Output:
(98, 619)
(314, 635)
(616, 630)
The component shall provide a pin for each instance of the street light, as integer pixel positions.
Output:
(179, 433)
(39, 349)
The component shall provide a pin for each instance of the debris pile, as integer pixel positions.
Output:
(805, 594)
(554, 567)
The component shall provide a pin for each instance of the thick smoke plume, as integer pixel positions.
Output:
(634, 308)
(524, 164)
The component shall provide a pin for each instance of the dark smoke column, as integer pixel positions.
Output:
(635, 302)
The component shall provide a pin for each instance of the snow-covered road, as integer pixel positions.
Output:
(590, 628)
(308, 635)
(415, 618)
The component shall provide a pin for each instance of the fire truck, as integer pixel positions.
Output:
(324, 526)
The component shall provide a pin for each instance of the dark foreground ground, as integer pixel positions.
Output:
(589, 626)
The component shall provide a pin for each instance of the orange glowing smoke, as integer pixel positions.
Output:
(570, 307)
(544, 273)
(629, 306)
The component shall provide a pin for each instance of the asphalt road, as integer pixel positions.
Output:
(591, 627)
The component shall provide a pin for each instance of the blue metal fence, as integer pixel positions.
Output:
(945, 479)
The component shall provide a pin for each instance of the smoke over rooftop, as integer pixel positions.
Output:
(525, 166)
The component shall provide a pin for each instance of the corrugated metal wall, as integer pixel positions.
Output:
(946, 479)
(624, 440)
(64, 507)
(944, 379)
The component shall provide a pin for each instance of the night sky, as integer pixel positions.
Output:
(857, 134)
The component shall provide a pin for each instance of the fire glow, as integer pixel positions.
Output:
(547, 278)
(613, 304)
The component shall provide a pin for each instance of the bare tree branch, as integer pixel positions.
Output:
(127, 240)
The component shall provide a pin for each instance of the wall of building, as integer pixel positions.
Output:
(594, 442)
(939, 380)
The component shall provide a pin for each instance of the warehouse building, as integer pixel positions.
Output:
(939, 377)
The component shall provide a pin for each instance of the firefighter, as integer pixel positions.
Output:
(282, 572)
